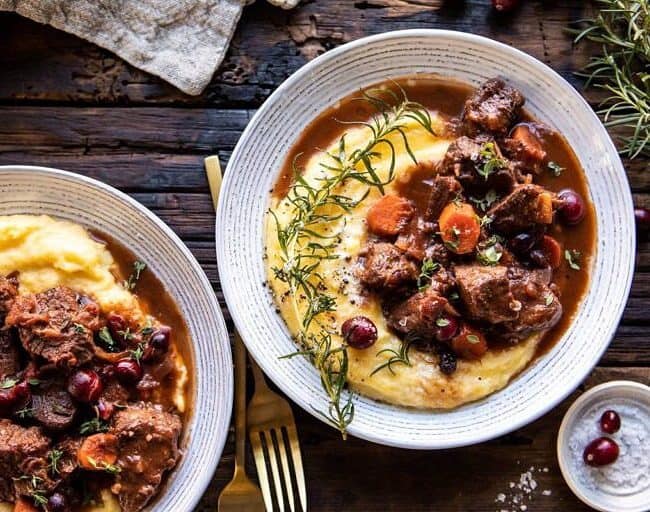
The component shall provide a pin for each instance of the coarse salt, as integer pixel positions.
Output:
(630, 473)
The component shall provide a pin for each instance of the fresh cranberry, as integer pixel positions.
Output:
(359, 332)
(600, 452)
(85, 385)
(128, 371)
(105, 409)
(572, 208)
(522, 244)
(446, 327)
(538, 257)
(504, 5)
(14, 397)
(57, 503)
(642, 217)
(117, 325)
(160, 338)
(610, 422)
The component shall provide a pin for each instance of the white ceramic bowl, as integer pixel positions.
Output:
(39, 190)
(610, 395)
(255, 165)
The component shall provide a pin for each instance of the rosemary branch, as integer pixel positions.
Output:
(305, 240)
(622, 28)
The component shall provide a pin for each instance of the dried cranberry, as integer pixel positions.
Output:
(600, 452)
(85, 385)
(447, 362)
(610, 422)
(572, 209)
(446, 327)
(359, 332)
(57, 503)
(128, 371)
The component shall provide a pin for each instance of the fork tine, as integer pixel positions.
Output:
(262, 475)
(282, 448)
(292, 435)
(273, 462)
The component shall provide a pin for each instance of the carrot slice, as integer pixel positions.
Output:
(22, 505)
(98, 452)
(389, 215)
(530, 143)
(459, 227)
(552, 250)
(469, 343)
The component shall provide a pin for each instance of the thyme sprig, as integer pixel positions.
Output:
(306, 239)
(622, 28)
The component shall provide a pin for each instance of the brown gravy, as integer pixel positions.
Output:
(155, 301)
(447, 97)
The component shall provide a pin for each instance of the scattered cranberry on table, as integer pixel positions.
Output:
(85, 386)
(572, 209)
(128, 371)
(359, 332)
(610, 421)
(642, 218)
(504, 5)
(600, 452)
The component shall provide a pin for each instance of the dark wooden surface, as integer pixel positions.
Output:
(69, 104)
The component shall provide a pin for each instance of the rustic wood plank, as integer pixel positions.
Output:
(268, 46)
(357, 475)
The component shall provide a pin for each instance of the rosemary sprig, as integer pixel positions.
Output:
(622, 28)
(305, 241)
(400, 356)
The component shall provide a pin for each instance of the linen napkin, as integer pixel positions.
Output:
(181, 41)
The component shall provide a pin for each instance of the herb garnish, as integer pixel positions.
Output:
(442, 322)
(573, 258)
(138, 268)
(8, 383)
(54, 457)
(25, 412)
(489, 161)
(137, 353)
(109, 468)
(473, 339)
(107, 339)
(36, 493)
(490, 253)
(426, 271)
(488, 200)
(304, 244)
(548, 299)
(92, 427)
(555, 168)
(622, 28)
(400, 356)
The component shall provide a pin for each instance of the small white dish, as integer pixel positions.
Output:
(593, 485)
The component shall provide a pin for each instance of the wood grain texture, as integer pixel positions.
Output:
(69, 104)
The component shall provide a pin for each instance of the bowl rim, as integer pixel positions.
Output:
(606, 388)
(301, 74)
(197, 488)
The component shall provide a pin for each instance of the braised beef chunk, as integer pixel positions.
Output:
(416, 315)
(9, 354)
(527, 206)
(443, 190)
(540, 307)
(466, 159)
(493, 108)
(415, 239)
(21, 450)
(386, 268)
(148, 441)
(52, 406)
(523, 147)
(438, 253)
(54, 326)
(8, 292)
(485, 292)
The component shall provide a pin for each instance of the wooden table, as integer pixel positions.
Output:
(69, 104)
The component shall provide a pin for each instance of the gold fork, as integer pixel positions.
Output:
(240, 495)
(272, 432)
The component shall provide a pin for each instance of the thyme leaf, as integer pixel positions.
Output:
(138, 268)
(555, 168)
(573, 258)
(426, 272)
(489, 160)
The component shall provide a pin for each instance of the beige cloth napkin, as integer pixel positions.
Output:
(181, 41)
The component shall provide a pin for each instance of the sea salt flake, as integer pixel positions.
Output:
(546, 492)
(501, 497)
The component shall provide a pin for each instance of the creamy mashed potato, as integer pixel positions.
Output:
(422, 385)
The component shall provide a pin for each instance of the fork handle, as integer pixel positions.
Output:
(260, 381)
(240, 403)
